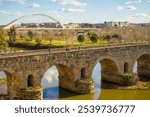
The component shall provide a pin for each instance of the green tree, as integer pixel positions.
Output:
(38, 39)
(30, 35)
(3, 42)
(81, 38)
(116, 36)
(12, 34)
(107, 37)
(94, 38)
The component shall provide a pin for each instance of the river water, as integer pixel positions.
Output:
(51, 91)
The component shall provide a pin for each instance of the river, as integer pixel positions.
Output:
(51, 90)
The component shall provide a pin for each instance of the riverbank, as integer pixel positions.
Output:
(142, 85)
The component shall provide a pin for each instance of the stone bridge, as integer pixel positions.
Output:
(75, 66)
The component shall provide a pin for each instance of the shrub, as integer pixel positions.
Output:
(30, 35)
(12, 34)
(107, 37)
(94, 38)
(116, 36)
(3, 43)
(81, 38)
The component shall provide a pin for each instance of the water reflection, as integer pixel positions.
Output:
(96, 75)
(50, 84)
(3, 86)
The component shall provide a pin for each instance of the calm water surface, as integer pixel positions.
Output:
(53, 92)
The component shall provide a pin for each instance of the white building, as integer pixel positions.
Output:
(117, 24)
(72, 25)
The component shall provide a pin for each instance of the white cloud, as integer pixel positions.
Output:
(71, 10)
(17, 13)
(18, 1)
(71, 2)
(4, 12)
(134, 2)
(53, 0)
(35, 5)
(139, 18)
(129, 8)
(141, 15)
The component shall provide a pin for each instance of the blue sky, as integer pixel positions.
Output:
(90, 11)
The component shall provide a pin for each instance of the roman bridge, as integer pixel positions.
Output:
(75, 66)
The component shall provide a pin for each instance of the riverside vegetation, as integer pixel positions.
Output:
(63, 38)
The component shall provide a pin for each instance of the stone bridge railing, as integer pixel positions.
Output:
(66, 49)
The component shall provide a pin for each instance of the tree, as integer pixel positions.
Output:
(116, 36)
(81, 38)
(30, 35)
(3, 43)
(38, 39)
(12, 34)
(94, 38)
(107, 37)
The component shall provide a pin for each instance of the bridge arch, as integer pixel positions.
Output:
(143, 65)
(108, 69)
(44, 15)
(13, 82)
(55, 76)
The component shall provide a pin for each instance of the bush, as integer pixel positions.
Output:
(94, 38)
(107, 37)
(116, 36)
(30, 35)
(12, 34)
(81, 38)
(3, 42)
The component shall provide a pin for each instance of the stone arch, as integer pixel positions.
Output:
(109, 65)
(65, 75)
(13, 82)
(126, 67)
(64, 71)
(143, 65)
(110, 71)
(83, 73)
(30, 81)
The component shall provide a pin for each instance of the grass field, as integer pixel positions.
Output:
(61, 42)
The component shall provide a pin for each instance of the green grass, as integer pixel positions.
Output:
(62, 42)
(34, 88)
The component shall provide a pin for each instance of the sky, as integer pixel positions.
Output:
(78, 11)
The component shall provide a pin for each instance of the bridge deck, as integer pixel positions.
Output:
(66, 50)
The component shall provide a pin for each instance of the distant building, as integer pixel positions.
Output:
(141, 24)
(39, 25)
(117, 24)
(72, 25)
(84, 25)
(99, 25)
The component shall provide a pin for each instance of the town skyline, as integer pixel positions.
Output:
(78, 11)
